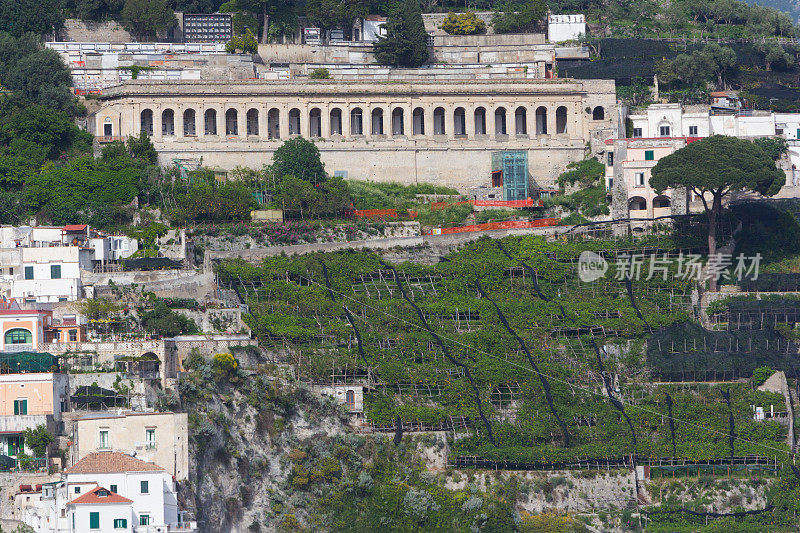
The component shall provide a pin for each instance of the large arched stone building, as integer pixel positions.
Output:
(441, 132)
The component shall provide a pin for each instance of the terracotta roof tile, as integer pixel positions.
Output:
(102, 462)
(93, 496)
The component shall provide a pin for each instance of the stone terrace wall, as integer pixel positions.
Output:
(108, 32)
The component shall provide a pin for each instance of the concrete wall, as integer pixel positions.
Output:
(457, 164)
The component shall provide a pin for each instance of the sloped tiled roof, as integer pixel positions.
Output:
(106, 462)
(93, 497)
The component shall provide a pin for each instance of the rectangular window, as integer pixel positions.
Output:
(637, 132)
(144, 519)
(798, 133)
(611, 159)
(150, 437)
(640, 179)
(145, 488)
(693, 131)
(120, 523)
(94, 520)
(610, 183)
(21, 407)
(29, 272)
(664, 131)
(113, 488)
(77, 490)
(648, 155)
(55, 271)
(103, 439)
(73, 335)
(73, 519)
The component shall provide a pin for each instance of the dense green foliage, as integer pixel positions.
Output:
(299, 158)
(406, 41)
(519, 17)
(34, 73)
(38, 439)
(84, 190)
(165, 322)
(41, 17)
(146, 19)
(246, 44)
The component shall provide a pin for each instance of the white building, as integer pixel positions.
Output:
(565, 28)
(44, 263)
(108, 492)
(671, 120)
(369, 28)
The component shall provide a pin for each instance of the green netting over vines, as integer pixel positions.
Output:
(317, 314)
(687, 352)
(151, 263)
(13, 362)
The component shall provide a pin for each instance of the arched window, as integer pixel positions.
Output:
(188, 123)
(418, 120)
(398, 127)
(350, 399)
(211, 122)
(460, 122)
(521, 121)
(252, 121)
(294, 121)
(561, 120)
(438, 121)
(336, 121)
(541, 120)
(147, 121)
(480, 121)
(168, 122)
(377, 121)
(315, 122)
(660, 202)
(599, 113)
(18, 336)
(231, 122)
(274, 124)
(500, 121)
(356, 122)
(637, 203)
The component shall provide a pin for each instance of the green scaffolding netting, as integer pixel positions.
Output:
(27, 362)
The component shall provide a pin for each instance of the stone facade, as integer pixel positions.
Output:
(440, 132)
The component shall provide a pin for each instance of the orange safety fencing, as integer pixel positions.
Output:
(528, 202)
(374, 213)
(509, 224)
(379, 213)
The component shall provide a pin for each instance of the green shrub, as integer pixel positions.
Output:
(463, 24)
(761, 375)
(320, 74)
(223, 365)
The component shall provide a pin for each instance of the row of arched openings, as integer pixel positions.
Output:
(357, 122)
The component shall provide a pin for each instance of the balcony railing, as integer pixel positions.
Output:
(11, 348)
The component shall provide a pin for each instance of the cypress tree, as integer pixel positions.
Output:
(406, 41)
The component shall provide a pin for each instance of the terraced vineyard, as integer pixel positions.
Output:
(526, 364)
